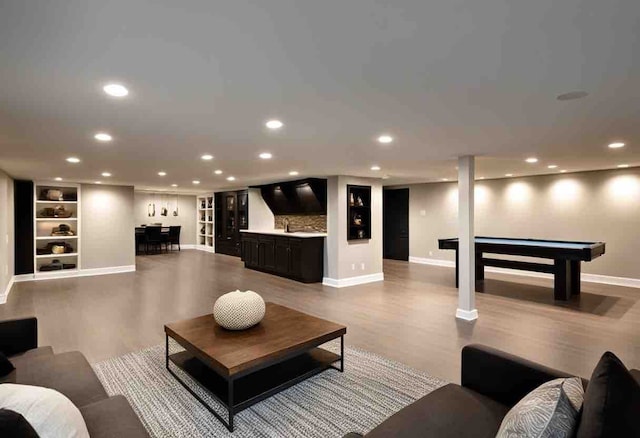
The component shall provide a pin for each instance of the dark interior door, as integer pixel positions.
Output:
(395, 223)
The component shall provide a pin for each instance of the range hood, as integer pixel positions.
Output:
(301, 197)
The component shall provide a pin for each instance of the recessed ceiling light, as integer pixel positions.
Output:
(98, 182)
(274, 124)
(207, 157)
(623, 166)
(231, 178)
(266, 155)
(563, 171)
(385, 139)
(616, 145)
(445, 179)
(375, 168)
(531, 160)
(218, 172)
(293, 173)
(73, 160)
(552, 166)
(116, 90)
(58, 178)
(572, 95)
(508, 174)
(106, 174)
(103, 136)
(195, 181)
(174, 185)
(481, 177)
(162, 173)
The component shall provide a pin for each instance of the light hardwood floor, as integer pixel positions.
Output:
(409, 317)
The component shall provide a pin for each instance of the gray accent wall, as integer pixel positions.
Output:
(187, 214)
(107, 234)
(6, 231)
(584, 206)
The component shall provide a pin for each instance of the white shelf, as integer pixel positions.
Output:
(55, 256)
(56, 219)
(55, 237)
(40, 225)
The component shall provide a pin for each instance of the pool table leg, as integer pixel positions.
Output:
(479, 273)
(457, 269)
(575, 277)
(562, 279)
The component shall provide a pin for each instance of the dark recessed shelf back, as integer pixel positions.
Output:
(358, 212)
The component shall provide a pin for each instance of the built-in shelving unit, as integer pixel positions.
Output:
(205, 223)
(358, 212)
(56, 229)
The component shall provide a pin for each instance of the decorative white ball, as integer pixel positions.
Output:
(239, 310)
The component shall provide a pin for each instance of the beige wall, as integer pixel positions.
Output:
(186, 218)
(6, 231)
(585, 206)
(260, 215)
(107, 220)
(344, 259)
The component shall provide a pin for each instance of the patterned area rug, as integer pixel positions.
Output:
(329, 404)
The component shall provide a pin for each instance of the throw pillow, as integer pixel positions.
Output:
(50, 413)
(5, 365)
(13, 424)
(612, 401)
(551, 409)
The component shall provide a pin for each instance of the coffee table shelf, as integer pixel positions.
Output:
(257, 386)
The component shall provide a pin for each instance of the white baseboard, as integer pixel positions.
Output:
(432, 262)
(467, 315)
(5, 294)
(204, 248)
(591, 278)
(352, 281)
(79, 273)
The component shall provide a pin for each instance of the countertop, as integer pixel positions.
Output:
(303, 234)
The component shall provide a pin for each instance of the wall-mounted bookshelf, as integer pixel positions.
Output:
(205, 223)
(56, 229)
(358, 212)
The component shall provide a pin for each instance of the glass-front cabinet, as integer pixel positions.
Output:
(232, 215)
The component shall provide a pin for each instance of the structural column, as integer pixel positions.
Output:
(466, 240)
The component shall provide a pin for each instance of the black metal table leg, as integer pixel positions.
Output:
(166, 351)
(341, 354)
(230, 406)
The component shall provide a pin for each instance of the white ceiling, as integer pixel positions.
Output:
(445, 78)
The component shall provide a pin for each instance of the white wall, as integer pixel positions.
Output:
(6, 232)
(585, 206)
(108, 227)
(345, 259)
(187, 213)
(260, 215)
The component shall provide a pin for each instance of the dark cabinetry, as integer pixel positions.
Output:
(299, 258)
(231, 216)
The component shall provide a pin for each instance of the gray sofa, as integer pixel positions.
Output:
(492, 382)
(70, 374)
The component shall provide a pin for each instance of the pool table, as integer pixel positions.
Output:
(566, 258)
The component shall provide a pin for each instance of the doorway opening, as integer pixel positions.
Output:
(395, 224)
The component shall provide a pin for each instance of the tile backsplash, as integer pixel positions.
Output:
(316, 223)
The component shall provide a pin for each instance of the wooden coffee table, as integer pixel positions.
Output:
(241, 368)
